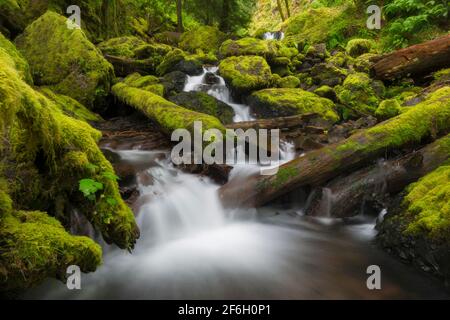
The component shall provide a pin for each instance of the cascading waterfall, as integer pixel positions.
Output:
(192, 248)
(278, 35)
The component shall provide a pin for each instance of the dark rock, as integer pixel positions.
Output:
(202, 102)
(174, 82)
(211, 78)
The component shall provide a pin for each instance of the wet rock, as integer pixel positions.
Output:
(211, 78)
(204, 103)
(174, 82)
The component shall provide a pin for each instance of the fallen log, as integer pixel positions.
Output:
(415, 60)
(344, 196)
(427, 119)
(126, 66)
(274, 123)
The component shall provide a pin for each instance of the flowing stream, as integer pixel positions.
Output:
(192, 248)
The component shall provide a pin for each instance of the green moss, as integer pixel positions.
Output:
(287, 82)
(427, 205)
(363, 62)
(357, 47)
(442, 75)
(204, 38)
(430, 117)
(268, 49)
(331, 25)
(358, 94)
(123, 46)
(172, 60)
(19, 61)
(148, 83)
(388, 109)
(35, 246)
(326, 92)
(68, 62)
(39, 138)
(283, 176)
(70, 106)
(167, 114)
(246, 73)
(286, 102)
(340, 59)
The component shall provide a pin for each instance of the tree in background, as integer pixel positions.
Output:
(288, 9)
(180, 27)
(280, 10)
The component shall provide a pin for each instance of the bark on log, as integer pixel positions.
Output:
(428, 118)
(416, 60)
(274, 123)
(125, 66)
(344, 196)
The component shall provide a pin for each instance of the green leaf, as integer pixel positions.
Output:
(89, 187)
(110, 175)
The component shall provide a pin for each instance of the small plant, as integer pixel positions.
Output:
(89, 188)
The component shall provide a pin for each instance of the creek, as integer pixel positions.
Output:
(193, 248)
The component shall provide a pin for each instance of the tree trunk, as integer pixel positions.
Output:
(319, 166)
(224, 24)
(180, 27)
(416, 60)
(280, 9)
(288, 9)
(344, 196)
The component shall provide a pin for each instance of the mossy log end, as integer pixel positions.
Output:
(427, 119)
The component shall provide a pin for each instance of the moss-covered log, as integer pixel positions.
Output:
(416, 60)
(372, 184)
(427, 119)
(166, 114)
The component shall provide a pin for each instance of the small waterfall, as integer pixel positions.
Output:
(218, 90)
(278, 35)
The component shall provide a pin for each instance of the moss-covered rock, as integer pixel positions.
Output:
(287, 82)
(204, 38)
(133, 47)
(268, 49)
(287, 102)
(360, 94)
(364, 62)
(166, 114)
(35, 246)
(178, 60)
(204, 103)
(46, 153)
(357, 47)
(442, 75)
(326, 92)
(388, 109)
(327, 74)
(70, 107)
(68, 62)
(246, 73)
(20, 63)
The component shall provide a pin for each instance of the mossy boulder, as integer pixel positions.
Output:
(268, 49)
(20, 64)
(166, 114)
(357, 47)
(46, 153)
(287, 102)
(246, 73)
(204, 38)
(68, 62)
(360, 94)
(36, 246)
(326, 92)
(134, 48)
(328, 74)
(191, 64)
(204, 103)
(364, 62)
(388, 109)
(287, 82)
